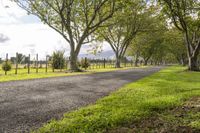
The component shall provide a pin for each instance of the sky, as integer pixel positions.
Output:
(25, 34)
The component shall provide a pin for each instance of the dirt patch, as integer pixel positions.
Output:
(183, 119)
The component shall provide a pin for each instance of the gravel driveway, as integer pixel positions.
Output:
(28, 104)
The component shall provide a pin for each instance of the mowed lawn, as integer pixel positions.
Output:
(166, 89)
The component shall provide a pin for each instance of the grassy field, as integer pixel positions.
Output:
(23, 75)
(164, 90)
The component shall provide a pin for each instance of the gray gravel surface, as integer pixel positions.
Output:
(25, 105)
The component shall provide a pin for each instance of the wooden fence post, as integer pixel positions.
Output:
(99, 63)
(66, 63)
(40, 64)
(96, 62)
(85, 62)
(36, 63)
(6, 63)
(92, 63)
(16, 68)
(29, 58)
(131, 62)
(104, 63)
(60, 66)
(52, 67)
(111, 62)
(46, 64)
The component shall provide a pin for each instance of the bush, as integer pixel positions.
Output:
(7, 66)
(85, 63)
(78, 63)
(58, 60)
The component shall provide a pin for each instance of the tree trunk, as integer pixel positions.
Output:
(118, 62)
(193, 64)
(136, 63)
(182, 62)
(192, 54)
(185, 61)
(73, 66)
(151, 62)
(136, 60)
(145, 62)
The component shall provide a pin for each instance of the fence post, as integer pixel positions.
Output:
(112, 65)
(96, 63)
(66, 63)
(99, 63)
(104, 62)
(92, 63)
(36, 63)
(46, 64)
(89, 63)
(6, 63)
(131, 62)
(52, 67)
(60, 66)
(29, 58)
(16, 68)
(85, 62)
(40, 64)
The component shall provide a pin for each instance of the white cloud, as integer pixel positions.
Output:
(26, 37)
(9, 12)
(26, 34)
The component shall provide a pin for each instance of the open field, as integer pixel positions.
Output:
(164, 90)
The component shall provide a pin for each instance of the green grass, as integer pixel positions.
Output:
(165, 89)
(23, 75)
(182, 116)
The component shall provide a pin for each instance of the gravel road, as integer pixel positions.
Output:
(25, 105)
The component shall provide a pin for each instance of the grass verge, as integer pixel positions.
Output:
(22, 73)
(181, 119)
(163, 90)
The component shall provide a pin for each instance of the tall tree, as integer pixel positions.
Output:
(75, 20)
(148, 45)
(150, 38)
(185, 15)
(174, 40)
(127, 22)
(134, 50)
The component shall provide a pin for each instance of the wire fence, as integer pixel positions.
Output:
(29, 64)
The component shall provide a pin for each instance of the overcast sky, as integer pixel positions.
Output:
(24, 33)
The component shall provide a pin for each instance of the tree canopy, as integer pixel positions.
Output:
(75, 20)
(154, 30)
(185, 15)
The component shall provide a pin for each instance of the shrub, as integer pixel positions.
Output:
(78, 63)
(58, 60)
(7, 66)
(85, 63)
